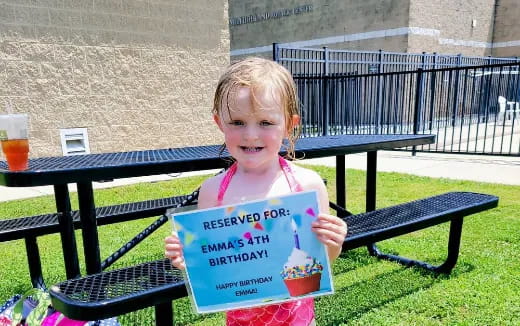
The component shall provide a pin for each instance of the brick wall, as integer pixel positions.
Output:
(138, 74)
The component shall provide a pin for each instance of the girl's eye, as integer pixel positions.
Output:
(236, 123)
(266, 123)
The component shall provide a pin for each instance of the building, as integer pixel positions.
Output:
(129, 75)
(469, 27)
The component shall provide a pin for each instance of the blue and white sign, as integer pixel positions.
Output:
(253, 254)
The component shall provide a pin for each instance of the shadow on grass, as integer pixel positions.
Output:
(460, 267)
(349, 303)
(352, 302)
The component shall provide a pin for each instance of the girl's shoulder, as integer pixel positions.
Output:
(311, 180)
(307, 178)
(214, 180)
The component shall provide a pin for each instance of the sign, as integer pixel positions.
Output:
(253, 254)
(233, 21)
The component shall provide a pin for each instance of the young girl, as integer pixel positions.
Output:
(255, 107)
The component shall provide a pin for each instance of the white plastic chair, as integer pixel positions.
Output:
(502, 108)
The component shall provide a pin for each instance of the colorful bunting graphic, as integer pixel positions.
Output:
(268, 224)
(247, 235)
(188, 239)
(178, 226)
(297, 219)
(310, 212)
(259, 226)
(274, 201)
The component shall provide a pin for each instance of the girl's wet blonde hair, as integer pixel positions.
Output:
(260, 75)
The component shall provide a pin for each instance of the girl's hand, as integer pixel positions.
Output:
(331, 231)
(173, 251)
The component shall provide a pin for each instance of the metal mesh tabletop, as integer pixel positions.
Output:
(92, 167)
(110, 292)
(313, 147)
(91, 161)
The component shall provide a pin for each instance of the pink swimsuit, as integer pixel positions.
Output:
(296, 313)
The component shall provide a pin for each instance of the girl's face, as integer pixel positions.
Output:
(253, 127)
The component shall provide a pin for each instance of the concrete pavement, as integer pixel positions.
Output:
(494, 169)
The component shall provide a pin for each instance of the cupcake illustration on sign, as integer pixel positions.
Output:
(301, 273)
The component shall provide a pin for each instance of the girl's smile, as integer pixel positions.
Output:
(251, 149)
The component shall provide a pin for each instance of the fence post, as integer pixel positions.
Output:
(422, 114)
(456, 97)
(379, 99)
(432, 91)
(417, 107)
(326, 99)
(275, 52)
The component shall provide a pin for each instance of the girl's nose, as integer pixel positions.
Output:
(251, 132)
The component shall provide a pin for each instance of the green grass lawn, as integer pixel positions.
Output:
(483, 289)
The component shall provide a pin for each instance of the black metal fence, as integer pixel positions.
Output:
(471, 109)
(325, 61)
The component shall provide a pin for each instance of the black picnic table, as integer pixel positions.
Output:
(85, 169)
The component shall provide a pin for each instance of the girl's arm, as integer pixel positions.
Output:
(208, 192)
(330, 229)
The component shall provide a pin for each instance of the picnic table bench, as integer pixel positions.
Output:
(31, 227)
(157, 283)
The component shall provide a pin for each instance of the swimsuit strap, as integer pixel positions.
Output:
(289, 175)
(286, 168)
(224, 184)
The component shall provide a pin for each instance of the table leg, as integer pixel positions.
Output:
(340, 181)
(34, 261)
(371, 181)
(164, 314)
(370, 198)
(87, 212)
(68, 238)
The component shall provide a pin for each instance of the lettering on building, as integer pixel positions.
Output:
(234, 21)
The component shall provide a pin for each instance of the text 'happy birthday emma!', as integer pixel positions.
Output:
(243, 283)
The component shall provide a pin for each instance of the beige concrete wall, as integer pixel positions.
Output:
(397, 43)
(469, 27)
(137, 74)
(327, 18)
(506, 34)
(464, 26)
